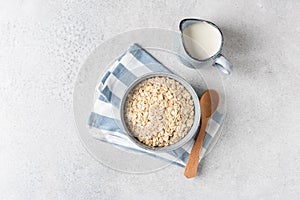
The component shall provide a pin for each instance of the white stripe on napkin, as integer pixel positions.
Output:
(134, 65)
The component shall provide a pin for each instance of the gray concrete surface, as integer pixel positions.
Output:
(44, 43)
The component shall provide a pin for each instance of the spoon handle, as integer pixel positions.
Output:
(193, 160)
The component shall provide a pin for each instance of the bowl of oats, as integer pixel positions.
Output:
(160, 111)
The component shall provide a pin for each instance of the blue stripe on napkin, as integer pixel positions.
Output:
(110, 97)
(102, 98)
(104, 123)
(145, 58)
(105, 77)
(206, 140)
(218, 117)
(123, 74)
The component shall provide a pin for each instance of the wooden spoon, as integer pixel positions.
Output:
(208, 102)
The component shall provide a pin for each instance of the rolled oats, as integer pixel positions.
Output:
(159, 111)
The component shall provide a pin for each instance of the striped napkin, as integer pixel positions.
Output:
(134, 63)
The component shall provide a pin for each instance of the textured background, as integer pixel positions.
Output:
(44, 43)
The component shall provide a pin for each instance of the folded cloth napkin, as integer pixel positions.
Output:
(134, 63)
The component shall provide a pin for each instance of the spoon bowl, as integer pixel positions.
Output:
(209, 102)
